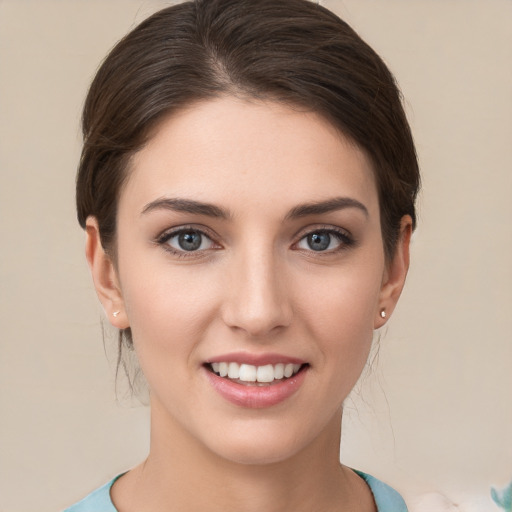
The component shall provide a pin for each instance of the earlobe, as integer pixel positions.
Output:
(104, 276)
(396, 272)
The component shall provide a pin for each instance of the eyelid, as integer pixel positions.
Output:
(169, 232)
(312, 228)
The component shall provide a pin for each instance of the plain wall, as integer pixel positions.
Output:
(435, 411)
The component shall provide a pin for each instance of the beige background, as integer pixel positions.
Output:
(436, 414)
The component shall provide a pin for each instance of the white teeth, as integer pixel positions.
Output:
(233, 371)
(279, 371)
(250, 373)
(223, 369)
(265, 373)
(247, 373)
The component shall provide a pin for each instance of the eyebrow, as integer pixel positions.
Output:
(211, 210)
(330, 205)
(187, 206)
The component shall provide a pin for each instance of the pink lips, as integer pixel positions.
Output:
(255, 359)
(256, 396)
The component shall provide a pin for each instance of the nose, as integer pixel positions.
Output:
(258, 301)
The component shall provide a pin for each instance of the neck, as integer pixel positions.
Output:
(182, 474)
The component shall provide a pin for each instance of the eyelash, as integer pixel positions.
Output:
(344, 238)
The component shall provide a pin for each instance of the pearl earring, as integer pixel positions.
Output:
(383, 313)
(115, 313)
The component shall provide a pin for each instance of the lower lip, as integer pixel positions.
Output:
(256, 397)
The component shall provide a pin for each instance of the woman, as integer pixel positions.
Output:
(247, 188)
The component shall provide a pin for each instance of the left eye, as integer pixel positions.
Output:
(189, 240)
(320, 241)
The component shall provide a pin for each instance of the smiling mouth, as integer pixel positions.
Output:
(249, 374)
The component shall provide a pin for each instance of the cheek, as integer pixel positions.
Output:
(340, 316)
(343, 302)
(167, 308)
(168, 312)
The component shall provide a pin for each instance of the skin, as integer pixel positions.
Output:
(254, 286)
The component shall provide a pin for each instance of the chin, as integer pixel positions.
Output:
(258, 454)
(262, 444)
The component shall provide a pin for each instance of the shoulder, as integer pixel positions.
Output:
(386, 498)
(98, 501)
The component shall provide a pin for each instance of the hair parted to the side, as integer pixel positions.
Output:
(291, 51)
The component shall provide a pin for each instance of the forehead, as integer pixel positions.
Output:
(242, 152)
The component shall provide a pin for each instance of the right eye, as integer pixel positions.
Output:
(187, 240)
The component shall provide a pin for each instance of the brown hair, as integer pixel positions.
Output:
(291, 51)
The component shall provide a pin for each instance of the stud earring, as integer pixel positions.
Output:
(115, 313)
(383, 313)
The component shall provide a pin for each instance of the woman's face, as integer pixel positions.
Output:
(249, 242)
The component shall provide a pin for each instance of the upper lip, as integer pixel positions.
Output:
(255, 359)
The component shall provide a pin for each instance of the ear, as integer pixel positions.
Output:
(104, 276)
(395, 274)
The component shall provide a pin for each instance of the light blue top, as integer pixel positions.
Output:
(386, 498)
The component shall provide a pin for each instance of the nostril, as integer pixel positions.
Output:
(258, 319)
